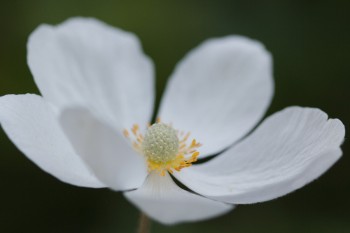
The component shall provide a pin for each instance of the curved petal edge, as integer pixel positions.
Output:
(164, 201)
(31, 124)
(219, 91)
(287, 151)
(104, 150)
(86, 62)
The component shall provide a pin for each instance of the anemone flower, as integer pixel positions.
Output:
(90, 126)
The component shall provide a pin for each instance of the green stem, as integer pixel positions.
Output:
(144, 224)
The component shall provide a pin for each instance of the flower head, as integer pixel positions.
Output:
(91, 126)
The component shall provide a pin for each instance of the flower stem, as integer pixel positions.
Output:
(144, 224)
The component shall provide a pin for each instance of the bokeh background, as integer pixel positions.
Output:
(310, 43)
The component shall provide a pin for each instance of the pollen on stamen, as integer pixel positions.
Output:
(165, 149)
(126, 133)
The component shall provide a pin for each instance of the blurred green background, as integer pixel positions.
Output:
(310, 43)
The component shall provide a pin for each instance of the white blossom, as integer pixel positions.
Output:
(95, 82)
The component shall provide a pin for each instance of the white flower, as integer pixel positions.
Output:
(95, 82)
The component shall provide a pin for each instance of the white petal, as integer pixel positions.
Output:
(164, 201)
(219, 91)
(32, 126)
(86, 62)
(104, 150)
(288, 150)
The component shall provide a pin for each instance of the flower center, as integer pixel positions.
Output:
(165, 148)
(160, 144)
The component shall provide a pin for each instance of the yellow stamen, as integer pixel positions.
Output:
(158, 147)
(126, 133)
(135, 129)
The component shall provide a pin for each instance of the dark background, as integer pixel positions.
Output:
(310, 43)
